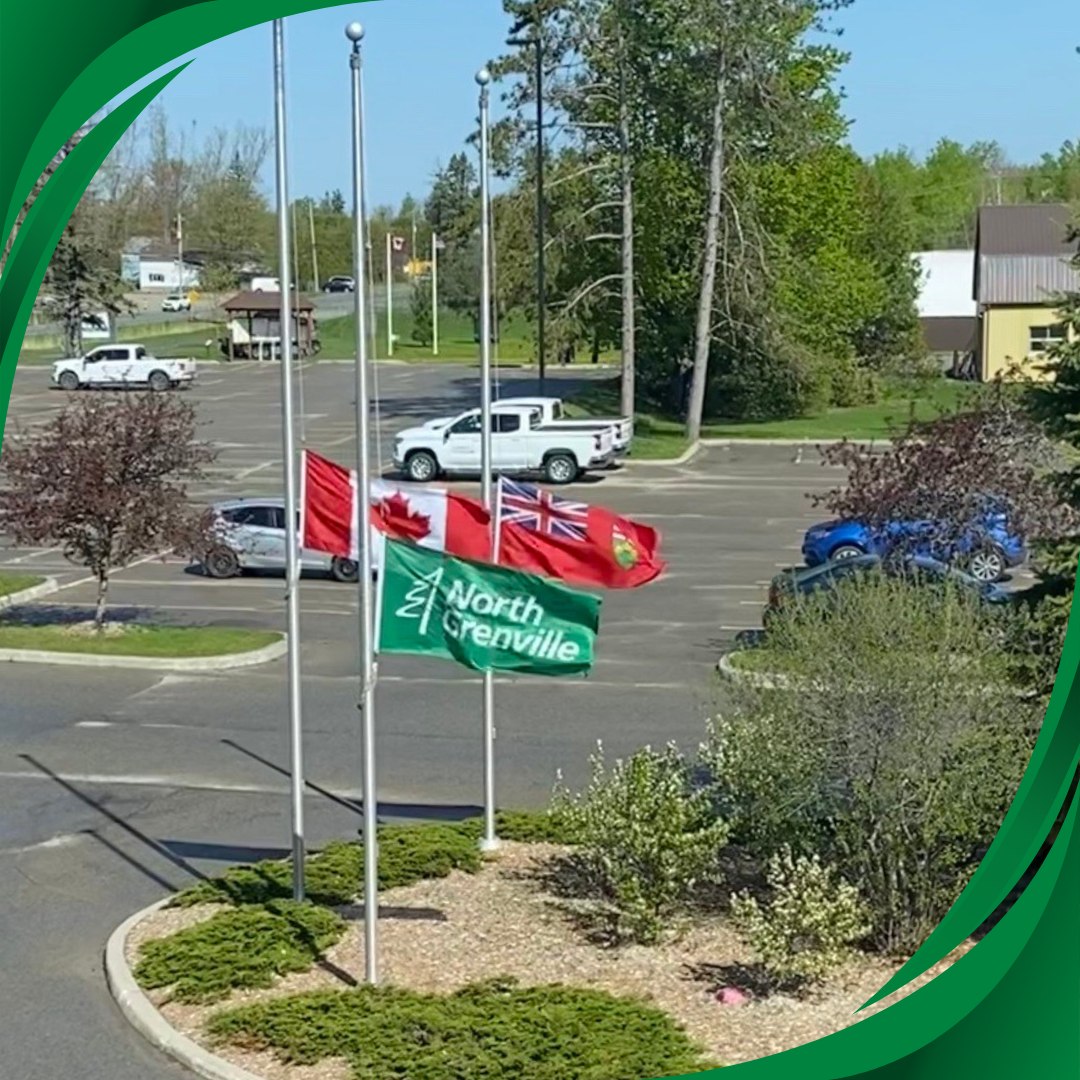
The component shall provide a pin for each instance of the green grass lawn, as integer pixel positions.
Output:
(151, 641)
(659, 437)
(189, 341)
(457, 342)
(13, 583)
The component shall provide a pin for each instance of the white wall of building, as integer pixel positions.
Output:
(162, 274)
(947, 285)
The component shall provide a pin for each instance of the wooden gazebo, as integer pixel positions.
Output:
(254, 328)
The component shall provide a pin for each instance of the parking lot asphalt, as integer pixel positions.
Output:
(117, 786)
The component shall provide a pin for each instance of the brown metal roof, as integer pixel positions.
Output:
(951, 333)
(265, 301)
(1025, 279)
(1025, 229)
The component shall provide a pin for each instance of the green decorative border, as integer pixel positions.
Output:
(1006, 1008)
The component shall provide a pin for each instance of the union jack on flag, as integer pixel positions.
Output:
(540, 511)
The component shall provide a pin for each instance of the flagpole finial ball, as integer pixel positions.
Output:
(483, 76)
(355, 32)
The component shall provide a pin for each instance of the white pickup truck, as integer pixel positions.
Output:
(520, 443)
(122, 365)
(553, 415)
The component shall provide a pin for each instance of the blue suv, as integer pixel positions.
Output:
(988, 550)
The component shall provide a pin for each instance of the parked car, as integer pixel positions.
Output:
(249, 534)
(520, 443)
(123, 365)
(988, 550)
(794, 585)
(339, 283)
(176, 302)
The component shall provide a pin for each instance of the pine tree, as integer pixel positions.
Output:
(423, 328)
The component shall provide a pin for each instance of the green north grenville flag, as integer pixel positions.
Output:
(484, 617)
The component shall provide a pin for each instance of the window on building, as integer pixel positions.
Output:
(157, 279)
(1042, 338)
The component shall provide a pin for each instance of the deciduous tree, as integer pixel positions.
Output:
(106, 480)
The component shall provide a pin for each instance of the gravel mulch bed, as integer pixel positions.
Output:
(438, 936)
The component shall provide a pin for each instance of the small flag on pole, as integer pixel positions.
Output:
(484, 617)
(542, 533)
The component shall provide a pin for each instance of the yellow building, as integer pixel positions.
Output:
(1022, 263)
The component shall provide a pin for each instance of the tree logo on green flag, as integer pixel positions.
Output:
(420, 600)
(484, 617)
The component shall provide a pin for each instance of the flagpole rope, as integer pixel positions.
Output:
(371, 298)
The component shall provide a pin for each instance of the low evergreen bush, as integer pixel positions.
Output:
(490, 1031)
(237, 950)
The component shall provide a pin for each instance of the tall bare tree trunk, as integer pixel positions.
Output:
(703, 328)
(629, 340)
(102, 599)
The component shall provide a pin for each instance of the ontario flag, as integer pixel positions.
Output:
(428, 517)
(541, 533)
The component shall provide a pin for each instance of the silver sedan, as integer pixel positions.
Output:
(249, 534)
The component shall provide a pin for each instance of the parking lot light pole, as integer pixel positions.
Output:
(288, 454)
(355, 33)
(489, 842)
(535, 41)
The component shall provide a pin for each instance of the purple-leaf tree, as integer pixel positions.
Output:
(106, 481)
(944, 474)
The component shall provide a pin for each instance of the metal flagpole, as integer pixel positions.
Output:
(355, 33)
(373, 332)
(299, 366)
(288, 454)
(483, 77)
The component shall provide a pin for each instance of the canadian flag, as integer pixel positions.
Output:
(429, 517)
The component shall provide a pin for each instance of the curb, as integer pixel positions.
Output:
(228, 662)
(35, 592)
(761, 680)
(794, 442)
(691, 453)
(147, 1021)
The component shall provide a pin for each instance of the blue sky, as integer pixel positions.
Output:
(920, 69)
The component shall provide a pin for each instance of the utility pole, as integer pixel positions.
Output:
(536, 41)
(314, 246)
(179, 252)
(434, 295)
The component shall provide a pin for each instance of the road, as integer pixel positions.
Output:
(120, 786)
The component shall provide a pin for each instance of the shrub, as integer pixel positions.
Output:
(896, 759)
(493, 1031)
(808, 925)
(335, 875)
(525, 827)
(235, 950)
(647, 838)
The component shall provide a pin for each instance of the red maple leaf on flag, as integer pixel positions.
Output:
(395, 517)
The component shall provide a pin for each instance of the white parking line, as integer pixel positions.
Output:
(32, 555)
(726, 588)
(245, 473)
(277, 584)
(90, 579)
